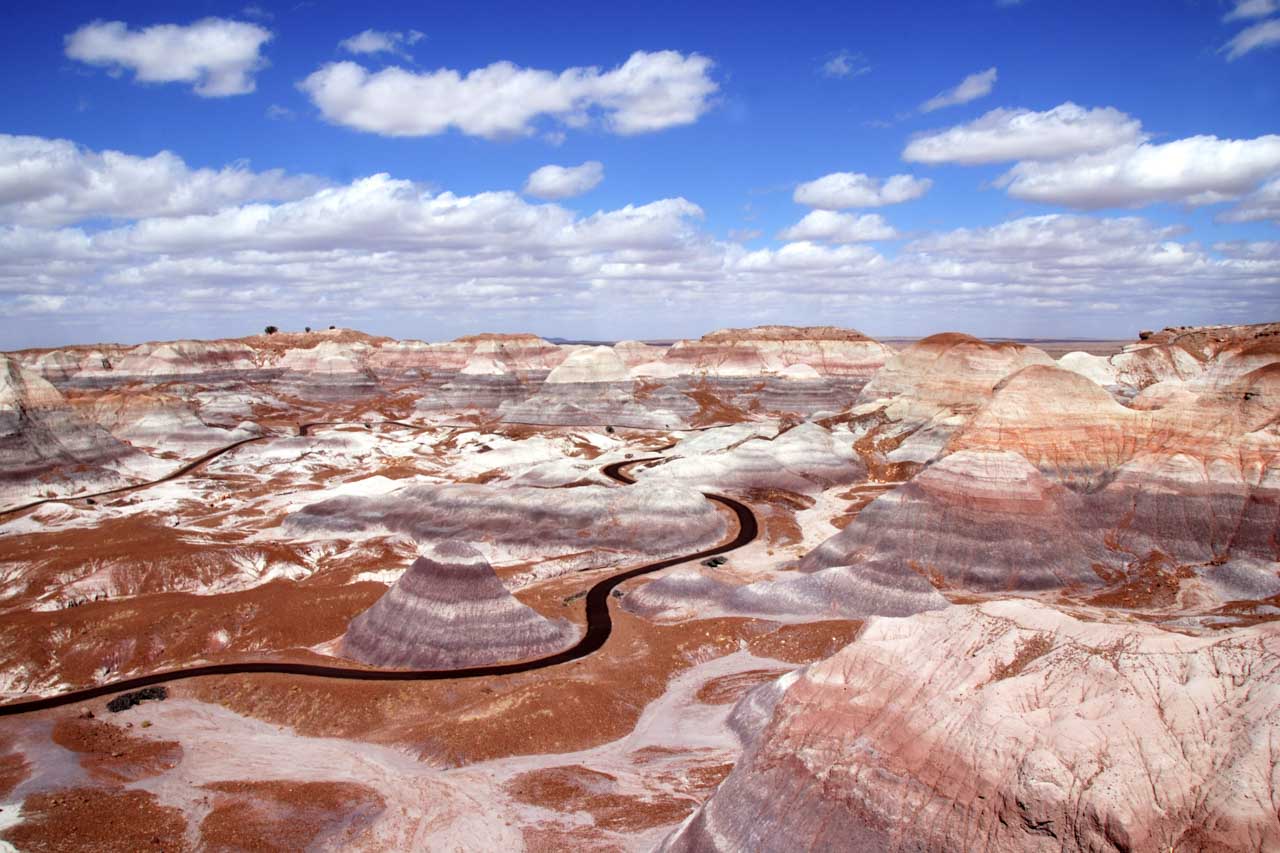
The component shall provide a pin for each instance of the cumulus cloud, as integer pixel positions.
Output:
(853, 189)
(976, 85)
(1247, 9)
(1002, 134)
(1198, 170)
(832, 227)
(219, 56)
(846, 64)
(379, 41)
(385, 251)
(55, 182)
(553, 182)
(648, 92)
(1261, 205)
(1261, 34)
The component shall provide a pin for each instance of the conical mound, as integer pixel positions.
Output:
(450, 610)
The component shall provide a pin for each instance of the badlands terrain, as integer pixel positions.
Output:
(773, 589)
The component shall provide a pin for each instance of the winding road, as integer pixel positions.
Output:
(599, 620)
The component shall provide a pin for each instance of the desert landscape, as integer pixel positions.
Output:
(774, 588)
(640, 427)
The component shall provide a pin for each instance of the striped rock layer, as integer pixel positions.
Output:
(450, 610)
(1008, 726)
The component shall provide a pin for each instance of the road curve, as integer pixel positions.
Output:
(599, 624)
(184, 470)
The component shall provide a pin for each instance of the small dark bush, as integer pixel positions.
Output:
(306, 328)
(270, 330)
(333, 327)
(125, 701)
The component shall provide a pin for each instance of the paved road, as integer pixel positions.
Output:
(181, 472)
(599, 621)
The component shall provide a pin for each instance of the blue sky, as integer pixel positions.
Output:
(1129, 177)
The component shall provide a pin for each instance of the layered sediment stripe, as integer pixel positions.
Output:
(450, 609)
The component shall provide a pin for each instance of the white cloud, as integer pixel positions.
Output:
(832, 227)
(853, 189)
(397, 256)
(1197, 170)
(1261, 34)
(1261, 205)
(976, 85)
(55, 182)
(1252, 9)
(275, 112)
(649, 92)
(378, 41)
(554, 182)
(219, 56)
(1002, 134)
(846, 64)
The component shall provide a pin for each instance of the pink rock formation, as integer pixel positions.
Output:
(155, 420)
(1009, 726)
(597, 524)
(450, 610)
(951, 370)
(329, 369)
(979, 520)
(593, 386)
(207, 361)
(806, 460)
(768, 349)
(46, 447)
(838, 593)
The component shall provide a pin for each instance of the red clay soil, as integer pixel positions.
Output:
(712, 409)
(163, 631)
(806, 642)
(575, 706)
(1153, 582)
(97, 820)
(14, 767)
(776, 509)
(284, 816)
(730, 688)
(574, 788)
(110, 753)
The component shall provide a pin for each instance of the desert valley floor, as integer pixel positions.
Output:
(773, 589)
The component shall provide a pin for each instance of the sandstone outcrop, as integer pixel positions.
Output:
(977, 520)
(450, 610)
(156, 421)
(839, 593)
(47, 448)
(761, 350)
(806, 459)
(598, 525)
(1009, 726)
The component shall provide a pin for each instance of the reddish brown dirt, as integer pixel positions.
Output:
(14, 767)
(581, 839)
(1153, 582)
(1036, 647)
(283, 816)
(712, 409)
(807, 642)
(156, 632)
(113, 754)
(575, 788)
(97, 820)
(776, 509)
(730, 688)
(576, 706)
